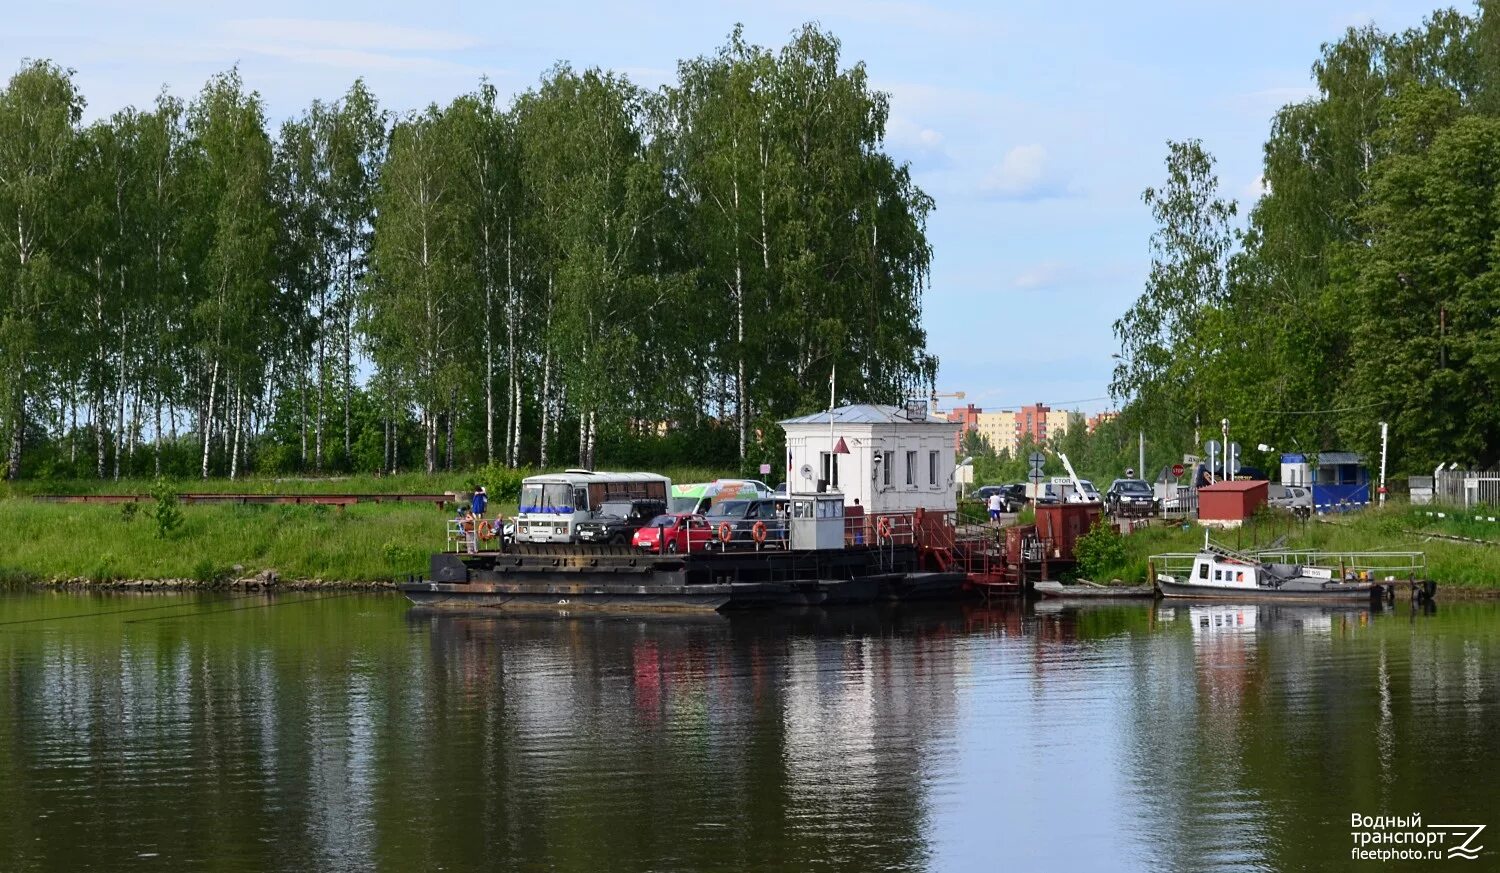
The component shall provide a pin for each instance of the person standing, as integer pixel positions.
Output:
(996, 504)
(479, 503)
(469, 526)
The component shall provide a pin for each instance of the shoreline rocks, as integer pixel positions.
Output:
(266, 580)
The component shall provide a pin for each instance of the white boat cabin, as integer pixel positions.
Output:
(1216, 570)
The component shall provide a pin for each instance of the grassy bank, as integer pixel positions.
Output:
(362, 543)
(1397, 528)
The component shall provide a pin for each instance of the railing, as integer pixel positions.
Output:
(1347, 564)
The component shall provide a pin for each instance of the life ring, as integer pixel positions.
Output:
(725, 531)
(883, 527)
(759, 531)
(486, 530)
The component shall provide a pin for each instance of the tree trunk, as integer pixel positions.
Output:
(120, 400)
(208, 418)
(322, 380)
(17, 429)
(234, 455)
(546, 405)
(156, 437)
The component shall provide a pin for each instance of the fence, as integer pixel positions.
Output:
(1466, 488)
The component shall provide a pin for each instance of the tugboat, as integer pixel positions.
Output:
(1220, 573)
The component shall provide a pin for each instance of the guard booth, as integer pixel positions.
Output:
(817, 521)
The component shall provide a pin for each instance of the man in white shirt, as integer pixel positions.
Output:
(996, 505)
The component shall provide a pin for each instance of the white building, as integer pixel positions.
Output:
(898, 459)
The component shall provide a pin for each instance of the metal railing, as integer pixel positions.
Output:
(1348, 565)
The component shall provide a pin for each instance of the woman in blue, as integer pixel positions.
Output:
(479, 503)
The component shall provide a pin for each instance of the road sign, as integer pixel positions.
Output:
(1037, 461)
(1213, 448)
(764, 469)
(1177, 470)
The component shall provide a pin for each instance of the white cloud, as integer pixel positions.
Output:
(356, 35)
(1024, 173)
(1256, 189)
(1047, 274)
(358, 45)
(916, 142)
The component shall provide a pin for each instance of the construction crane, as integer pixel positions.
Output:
(956, 395)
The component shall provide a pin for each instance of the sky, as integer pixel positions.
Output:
(1035, 126)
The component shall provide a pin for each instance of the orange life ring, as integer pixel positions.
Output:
(486, 530)
(759, 531)
(883, 527)
(725, 531)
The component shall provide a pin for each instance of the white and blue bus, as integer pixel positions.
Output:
(553, 504)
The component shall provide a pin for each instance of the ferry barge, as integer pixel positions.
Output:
(871, 516)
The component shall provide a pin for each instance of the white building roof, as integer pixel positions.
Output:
(866, 413)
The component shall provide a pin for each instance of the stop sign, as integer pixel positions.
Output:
(1176, 469)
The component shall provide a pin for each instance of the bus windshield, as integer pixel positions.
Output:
(549, 498)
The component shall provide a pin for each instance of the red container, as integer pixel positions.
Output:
(1231, 501)
(1061, 524)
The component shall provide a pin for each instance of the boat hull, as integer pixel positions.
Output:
(1092, 592)
(1306, 593)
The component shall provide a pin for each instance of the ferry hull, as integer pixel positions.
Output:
(1323, 592)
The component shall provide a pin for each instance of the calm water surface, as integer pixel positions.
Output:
(348, 732)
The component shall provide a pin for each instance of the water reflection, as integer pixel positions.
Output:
(352, 734)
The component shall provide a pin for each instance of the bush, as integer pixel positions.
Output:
(128, 511)
(1099, 551)
(210, 573)
(167, 514)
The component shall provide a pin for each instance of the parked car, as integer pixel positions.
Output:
(1127, 497)
(1013, 497)
(616, 521)
(1296, 499)
(680, 531)
(742, 515)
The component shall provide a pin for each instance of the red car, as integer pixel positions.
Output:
(682, 532)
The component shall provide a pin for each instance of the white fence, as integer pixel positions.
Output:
(1466, 488)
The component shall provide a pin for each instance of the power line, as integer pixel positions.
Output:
(1318, 411)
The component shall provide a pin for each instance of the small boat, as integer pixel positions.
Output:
(1091, 590)
(1220, 573)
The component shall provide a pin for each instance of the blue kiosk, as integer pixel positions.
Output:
(1339, 480)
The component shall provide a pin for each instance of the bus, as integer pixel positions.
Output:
(553, 504)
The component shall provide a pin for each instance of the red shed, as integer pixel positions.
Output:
(1229, 503)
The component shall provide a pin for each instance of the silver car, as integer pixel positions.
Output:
(1296, 499)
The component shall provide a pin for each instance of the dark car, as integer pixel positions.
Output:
(1012, 496)
(1131, 497)
(616, 521)
(742, 516)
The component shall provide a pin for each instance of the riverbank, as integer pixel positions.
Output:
(217, 544)
(1462, 554)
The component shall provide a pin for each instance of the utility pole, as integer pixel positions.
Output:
(1141, 469)
(1384, 434)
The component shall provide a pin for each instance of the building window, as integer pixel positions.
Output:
(886, 465)
(911, 469)
(932, 465)
(831, 469)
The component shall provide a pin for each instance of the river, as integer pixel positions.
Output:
(348, 732)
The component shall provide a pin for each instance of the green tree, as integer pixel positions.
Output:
(39, 112)
(1167, 338)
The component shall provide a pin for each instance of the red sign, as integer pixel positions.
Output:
(1177, 470)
